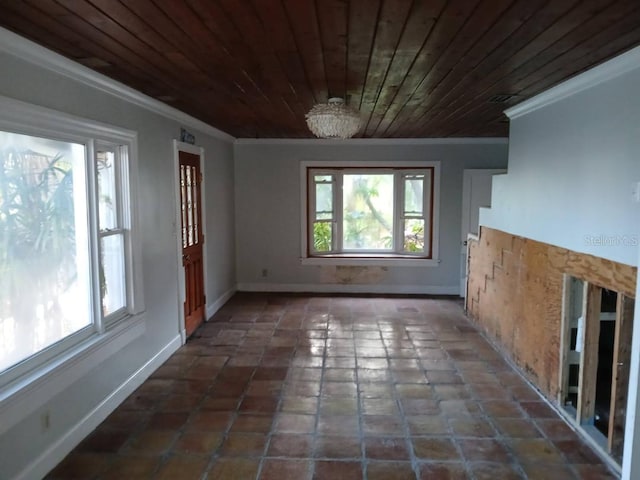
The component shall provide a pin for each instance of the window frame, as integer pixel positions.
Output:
(26, 119)
(371, 257)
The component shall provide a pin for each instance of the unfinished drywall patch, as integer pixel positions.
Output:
(515, 294)
(352, 275)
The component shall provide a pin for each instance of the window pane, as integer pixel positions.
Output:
(324, 197)
(44, 259)
(183, 207)
(368, 212)
(105, 162)
(112, 274)
(190, 240)
(323, 178)
(413, 194)
(414, 235)
(322, 236)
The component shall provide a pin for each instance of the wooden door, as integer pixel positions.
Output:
(192, 240)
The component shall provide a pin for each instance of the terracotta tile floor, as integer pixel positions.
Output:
(320, 387)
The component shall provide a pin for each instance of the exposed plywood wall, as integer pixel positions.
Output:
(515, 294)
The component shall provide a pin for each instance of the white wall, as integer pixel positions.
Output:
(25, 450)
(574, 155)
(268, 211)
(574, 158)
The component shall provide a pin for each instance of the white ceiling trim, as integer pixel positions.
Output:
(607, 71)
(33, 53)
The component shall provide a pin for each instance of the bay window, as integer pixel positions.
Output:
(356, 214)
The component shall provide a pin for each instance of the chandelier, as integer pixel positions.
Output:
(333, 119)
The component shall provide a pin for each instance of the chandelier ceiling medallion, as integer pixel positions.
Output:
(333, 119)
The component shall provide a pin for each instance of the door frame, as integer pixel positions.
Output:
(467, 176)
(177, 225)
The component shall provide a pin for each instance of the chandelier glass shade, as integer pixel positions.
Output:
(333, 119)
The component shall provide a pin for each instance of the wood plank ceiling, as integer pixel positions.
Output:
(253, 68)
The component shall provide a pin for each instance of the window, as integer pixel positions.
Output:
(66, 235)
(367, 214)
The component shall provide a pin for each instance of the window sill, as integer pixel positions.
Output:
(388, 260)
(22, 397)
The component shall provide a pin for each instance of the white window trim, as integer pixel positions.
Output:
(368, 259)
(56, 367)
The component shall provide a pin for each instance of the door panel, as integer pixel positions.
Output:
(192, 240)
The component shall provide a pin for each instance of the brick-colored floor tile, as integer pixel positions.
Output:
(290, 445)
(493, 471)
(339, 389)
(104, 440)
(594, 472)
(225, 468)
(471, 427)
(300, 386)
(182, 467)
(250, 423)
(502, 409)
(302, 405)
(244, 445)
(152, 442)
(131, 467)
(337, 447)
(381, 425)
(198, 443)
(481, 449)
(295, 423)
(80, 466)
(516, 428)
(435, 449)
(390, 471)
(386, 448)
(332, 470)
(443, 471)
(537, 471)
(427, 425)
(338, 425)
(276, 469)
(535, 450)
(556, 429)
(209, 421)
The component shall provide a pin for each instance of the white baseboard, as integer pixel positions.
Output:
(220, 301)
(339, 288)
(61, 448)
(22, 398)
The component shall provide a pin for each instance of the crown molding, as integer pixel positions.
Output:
(33, 53)
(609, 70)
(373, 141)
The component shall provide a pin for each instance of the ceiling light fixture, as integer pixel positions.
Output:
(333, 119)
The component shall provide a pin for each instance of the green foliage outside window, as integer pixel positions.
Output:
(322, 236)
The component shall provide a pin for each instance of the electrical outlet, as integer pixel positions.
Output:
(265, 273)
(45, 421)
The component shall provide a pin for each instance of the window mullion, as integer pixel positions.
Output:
(427, 185)
(398, 215)
(338, 212)
(94, 236)
(311, 210)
